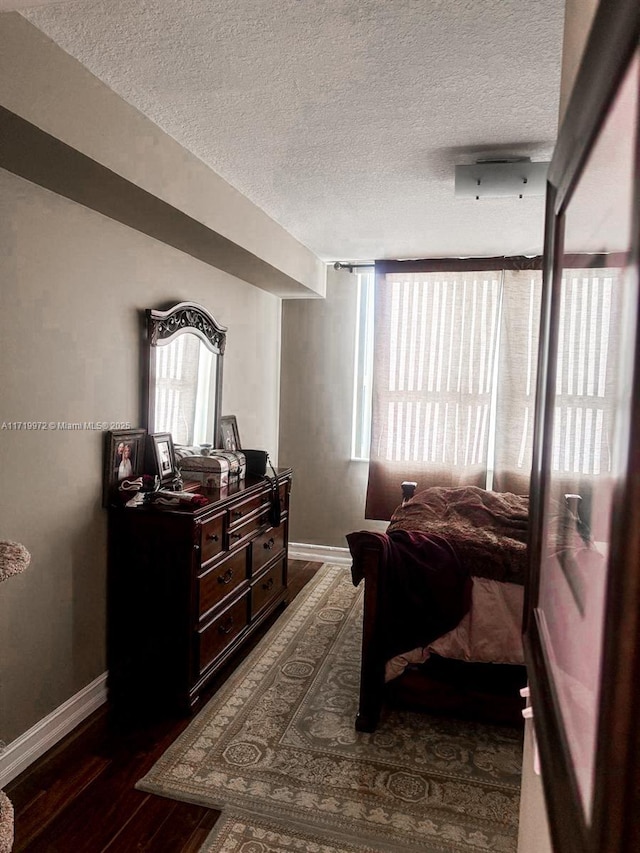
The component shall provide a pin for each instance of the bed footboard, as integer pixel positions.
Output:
(368, 566)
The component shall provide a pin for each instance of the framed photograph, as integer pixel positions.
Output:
(229, 436)
(164, 457)
(582, 608)
(123, 460)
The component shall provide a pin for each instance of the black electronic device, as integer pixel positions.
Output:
(256, 462)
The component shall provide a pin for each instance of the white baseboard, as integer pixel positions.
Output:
(320, 553)
(23, 751)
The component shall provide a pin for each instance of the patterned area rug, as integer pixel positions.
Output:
(278, 741)
(237, 833)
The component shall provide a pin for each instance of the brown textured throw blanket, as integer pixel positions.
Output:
(488, 530)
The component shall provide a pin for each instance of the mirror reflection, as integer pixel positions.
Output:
(185, 390)
(186, 347)
(591, 405)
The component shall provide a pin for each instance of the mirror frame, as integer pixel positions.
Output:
(164, 326)
(612, 826)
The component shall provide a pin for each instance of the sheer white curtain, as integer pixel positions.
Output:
(515, 382)
(436, 343)
(455, 360)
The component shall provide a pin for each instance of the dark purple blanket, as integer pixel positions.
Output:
(488, 530)
(426, 588)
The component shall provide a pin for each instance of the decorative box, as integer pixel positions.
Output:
(215, 471)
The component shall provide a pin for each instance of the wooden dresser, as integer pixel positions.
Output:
(188, 588)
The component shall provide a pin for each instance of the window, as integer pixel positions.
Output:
(454, 374)
(443, 335)
(363, 370)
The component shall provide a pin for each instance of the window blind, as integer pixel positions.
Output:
(454, 375)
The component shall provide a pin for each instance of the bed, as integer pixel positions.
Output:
(443, 602)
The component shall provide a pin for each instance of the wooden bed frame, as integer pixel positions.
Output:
(482, 691)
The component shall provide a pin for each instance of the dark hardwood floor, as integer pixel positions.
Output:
(80, 796)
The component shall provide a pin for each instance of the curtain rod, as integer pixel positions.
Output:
(351, 267)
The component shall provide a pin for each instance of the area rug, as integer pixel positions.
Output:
(237, 833)
(278, 741)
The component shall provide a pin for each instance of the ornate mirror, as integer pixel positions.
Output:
(183, 392)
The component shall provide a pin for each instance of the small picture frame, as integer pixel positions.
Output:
(164, 457)
(123, 460)
(229, 435)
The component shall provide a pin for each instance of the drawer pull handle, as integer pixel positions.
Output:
(269, 545)
(235, 535)
(237, 513)
(212, 536)
(226, 577)
(268, 585)
(226, 626)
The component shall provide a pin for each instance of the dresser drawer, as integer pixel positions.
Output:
(267, 587)
(211, 537)
(241, 511)
(266, 546)
(220, 581)
(241, 533)
(222, 631)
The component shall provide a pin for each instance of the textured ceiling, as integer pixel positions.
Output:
(342, 119)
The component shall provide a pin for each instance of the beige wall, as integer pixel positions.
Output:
(578, 15)
(318, 348)
(73, 283)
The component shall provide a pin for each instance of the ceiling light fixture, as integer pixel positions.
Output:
(504, 178)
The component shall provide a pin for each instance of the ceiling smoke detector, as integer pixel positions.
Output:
(505, 178)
